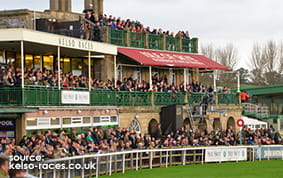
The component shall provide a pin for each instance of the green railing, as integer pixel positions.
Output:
(195, 98)
(164, 98)
(129, 98)
(154, 41)
(117, 37)
(137, 39)
(188, 45)
(231, 98)
(51, 96)
(172, 43)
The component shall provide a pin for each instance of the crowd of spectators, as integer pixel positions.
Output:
(11, 77)
(114, 23)
(51, 144)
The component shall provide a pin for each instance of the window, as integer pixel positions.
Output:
(28, 61)
(86, 120)
(31, 122)
(48, 62)
(96, 120)
(119, 72)
(54, 121)
(2, 60)
(113, 119)
(67, 121)
(76, 120)
(37, 62)
(135, 126)
(172, 77)
(105, 119)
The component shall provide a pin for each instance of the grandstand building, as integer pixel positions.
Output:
(27, 40)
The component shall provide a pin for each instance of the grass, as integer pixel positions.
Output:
(268, 169)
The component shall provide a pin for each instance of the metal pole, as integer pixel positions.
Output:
(89, 72)
(214, 81)
(97, 161)
(185, 79)
(166, 165)
(150, 78)
(238, 81)
(22, 64)
(115, 71)
(59, 70)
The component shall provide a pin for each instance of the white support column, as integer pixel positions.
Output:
(22, 64)
(150, 78)
(89, 72)
(115, 71)
(214, 81)
(59, 70)
(185, 79)
(238, 81)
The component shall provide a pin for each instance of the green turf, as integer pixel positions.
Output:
(268, 169)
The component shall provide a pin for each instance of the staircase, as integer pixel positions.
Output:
(254, 110)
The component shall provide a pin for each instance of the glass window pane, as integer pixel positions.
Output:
(96, 120)
(37, 62)
(31, 122)
(67, 121)
(55, 121)
(28, 61)
(2, 57)
(86, 120)
(48, 62)
(113, 119)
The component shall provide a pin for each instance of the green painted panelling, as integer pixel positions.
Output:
(265, 90)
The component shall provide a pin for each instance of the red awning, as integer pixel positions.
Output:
(172, 59)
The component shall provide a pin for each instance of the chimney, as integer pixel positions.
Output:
(61, 5)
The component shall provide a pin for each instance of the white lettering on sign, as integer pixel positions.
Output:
(225, 154)
(75, 97)
(171, 58)
(75, 43)
(6, 123)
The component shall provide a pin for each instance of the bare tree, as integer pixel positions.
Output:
(227, 56)
(257, 64)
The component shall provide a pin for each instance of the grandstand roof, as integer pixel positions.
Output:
(33, 38)
(170, 59)
(265, 90)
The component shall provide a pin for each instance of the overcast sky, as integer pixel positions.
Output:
(241, 22)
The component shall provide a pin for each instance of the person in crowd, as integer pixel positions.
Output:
(4, 166)
(244, 96)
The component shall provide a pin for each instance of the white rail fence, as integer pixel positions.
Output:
(109, 163)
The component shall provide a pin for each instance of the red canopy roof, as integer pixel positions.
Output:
(172, 59)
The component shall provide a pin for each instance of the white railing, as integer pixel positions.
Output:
(108, 163)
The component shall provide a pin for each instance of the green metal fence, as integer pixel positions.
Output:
(154, 41)
(195, 98)
(188, 46)
(231, 98)
(137, 39)
(172, 43)
(117, 37)
(129, 98)
(51, 96)
(164, 98)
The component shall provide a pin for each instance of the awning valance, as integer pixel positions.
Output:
(170, 59)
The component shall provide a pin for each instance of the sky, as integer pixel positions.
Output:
(217, 22)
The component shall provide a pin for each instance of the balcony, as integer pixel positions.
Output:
(52, 96)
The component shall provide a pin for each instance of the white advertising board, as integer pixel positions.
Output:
(74, 97)
(225, 154)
